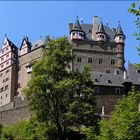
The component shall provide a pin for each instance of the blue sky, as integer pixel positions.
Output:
(41, 18)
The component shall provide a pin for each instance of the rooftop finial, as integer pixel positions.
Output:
(77, 17)
(119, 22)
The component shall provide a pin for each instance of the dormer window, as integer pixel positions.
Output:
(109, 81)
(29, 68)
(138, 71)
(96, 80)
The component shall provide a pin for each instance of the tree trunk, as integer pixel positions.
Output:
(60, 132)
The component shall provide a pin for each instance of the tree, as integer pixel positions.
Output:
(125, 120)
(53, 88)
(25, 130)
(135, 10)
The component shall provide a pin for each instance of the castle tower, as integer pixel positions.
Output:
(100, 34)
(120, 42)
(25, 46)
(77, 34)
(8, 71)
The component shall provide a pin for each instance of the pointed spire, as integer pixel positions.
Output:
(119, 30)
(101, 27)
(77, 25)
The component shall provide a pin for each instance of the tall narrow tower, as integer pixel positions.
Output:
(120, 43)
(8, 71)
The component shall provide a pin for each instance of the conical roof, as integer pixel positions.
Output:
(101, 28)
(119, 30)
(77, 26)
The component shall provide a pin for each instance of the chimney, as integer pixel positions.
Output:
(95, 27)
(70, 26)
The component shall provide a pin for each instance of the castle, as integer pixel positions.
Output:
(94, 44)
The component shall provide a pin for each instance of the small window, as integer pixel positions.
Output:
(112, 61)
(107, 71)
(7, 55)
(1, 97)
(5, 43)
(29, 68)
(96, 80)
(2, 66)
(7, 71)
(78, 59)
(6, 87)
(2, 51)
(6, 48)
(138, 71)
(2, 59)
(100, 60)
(7, 63)
(89, 59)
(96, 90)
(1, 74)
(109, 81)
(2, 89)
(6, 79)
(6, 95)
(117, 90)
(117, 72)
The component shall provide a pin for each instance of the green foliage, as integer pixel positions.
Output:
(82, 106)
(29, 129)
(56, 94)
(125, 120)
(135, 10)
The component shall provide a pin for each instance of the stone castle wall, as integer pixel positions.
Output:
(14, 112)
(18, 110)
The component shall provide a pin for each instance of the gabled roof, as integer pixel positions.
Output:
(26, 40)
(12, 45)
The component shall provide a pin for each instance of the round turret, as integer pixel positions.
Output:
(100, 34)
(119, 37)
(77, 34)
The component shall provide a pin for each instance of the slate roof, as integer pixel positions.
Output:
(27, 41)
(101, 28)
(107, 79)
(37, 43)
(13, 46)
(134, 73)
(87, 28)
(119, 30)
